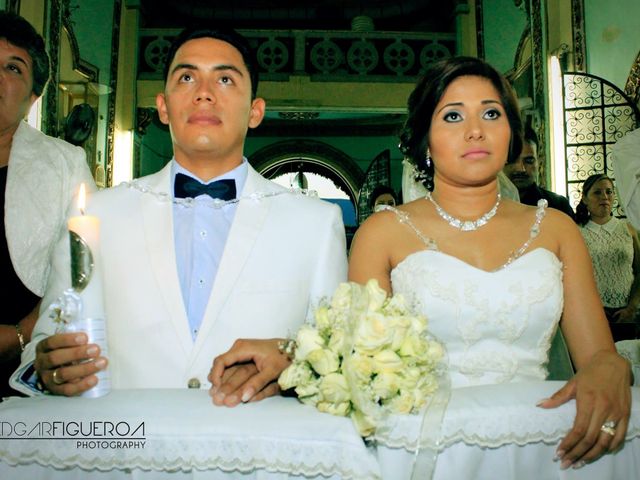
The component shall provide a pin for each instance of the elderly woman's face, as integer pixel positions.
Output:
(16, 84)
(599, 200)
(470, 133)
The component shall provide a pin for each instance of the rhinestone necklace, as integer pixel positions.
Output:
(464, 225)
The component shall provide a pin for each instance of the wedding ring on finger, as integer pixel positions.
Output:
(609, 427)
(56, 379)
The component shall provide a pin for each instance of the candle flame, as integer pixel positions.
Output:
(82, 198)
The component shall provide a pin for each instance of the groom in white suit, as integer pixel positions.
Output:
(184, 279)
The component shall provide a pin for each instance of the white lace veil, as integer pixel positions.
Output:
(413, 188)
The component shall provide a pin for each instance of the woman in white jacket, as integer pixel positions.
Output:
(39, 176)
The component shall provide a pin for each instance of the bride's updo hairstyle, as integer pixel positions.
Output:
(428, 92)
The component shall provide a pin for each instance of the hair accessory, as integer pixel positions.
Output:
(465, 225)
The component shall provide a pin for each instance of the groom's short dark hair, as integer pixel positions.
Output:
(228, 35)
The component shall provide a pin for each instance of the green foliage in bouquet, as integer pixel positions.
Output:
(367, 356)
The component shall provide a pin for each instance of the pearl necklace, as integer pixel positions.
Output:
(464, 225)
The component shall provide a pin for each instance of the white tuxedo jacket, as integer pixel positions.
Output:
(283, 254)
(44, 175)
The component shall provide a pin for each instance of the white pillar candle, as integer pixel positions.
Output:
(91, 317)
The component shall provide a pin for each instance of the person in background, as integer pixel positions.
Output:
(39, 175)
(524, 172)
(382, 195)
(625, 156)
(615, 254)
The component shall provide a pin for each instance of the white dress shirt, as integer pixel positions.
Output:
(200, 234)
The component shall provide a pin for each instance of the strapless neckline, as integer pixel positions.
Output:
(533, 252)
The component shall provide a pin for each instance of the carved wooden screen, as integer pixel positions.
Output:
(597, 114)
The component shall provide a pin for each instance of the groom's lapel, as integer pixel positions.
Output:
(247, 225)
(159, 238)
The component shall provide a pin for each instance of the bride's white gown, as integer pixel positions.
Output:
(497, 327)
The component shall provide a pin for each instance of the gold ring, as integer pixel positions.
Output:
(56, 380)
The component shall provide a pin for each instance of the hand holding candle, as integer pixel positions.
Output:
(86, 280)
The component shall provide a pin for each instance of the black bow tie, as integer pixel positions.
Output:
(186, 187)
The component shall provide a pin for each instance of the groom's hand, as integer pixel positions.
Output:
(67, 365)
(247, 372)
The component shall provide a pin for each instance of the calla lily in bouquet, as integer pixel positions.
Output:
(368, 355)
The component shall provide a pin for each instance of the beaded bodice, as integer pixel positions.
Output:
(497, 326)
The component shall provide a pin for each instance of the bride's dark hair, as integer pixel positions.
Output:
(428, 92)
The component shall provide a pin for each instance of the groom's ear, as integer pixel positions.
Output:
(258, 107)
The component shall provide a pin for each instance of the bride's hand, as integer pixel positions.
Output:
(603, 394)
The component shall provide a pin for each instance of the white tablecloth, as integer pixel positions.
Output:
(497, 432)
(183, 433)
(491, 432)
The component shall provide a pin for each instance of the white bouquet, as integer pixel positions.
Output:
(367, 356)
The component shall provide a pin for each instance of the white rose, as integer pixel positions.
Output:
(324, 361)
(387, 361)
(435, 351)
(396, 305)
(428, 384)
(377, 295)
(311, 400)
(360, 367)
(308, 390)
(342, 296)
(418, 324)
(334, 388)
(307, 340)
(364, 424)
(410, 377)
(294, 375)
(402, 403)
(385, 385)
(414, 346)
(400, 326)
(373, 333)
(323, 320)
(340, 409)
(338, 342)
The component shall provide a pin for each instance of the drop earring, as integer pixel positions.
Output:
(428, 158)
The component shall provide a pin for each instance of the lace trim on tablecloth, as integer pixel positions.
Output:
(184, 432)
(474, 419)
(237, 455)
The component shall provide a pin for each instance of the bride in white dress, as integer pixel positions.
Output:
(495, 277)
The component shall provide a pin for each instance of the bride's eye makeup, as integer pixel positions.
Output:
(452, 117)
(492, 114)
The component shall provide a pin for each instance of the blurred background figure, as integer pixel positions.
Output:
(381, 196)
(615, 253)
(524, 173)
(626, 167)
